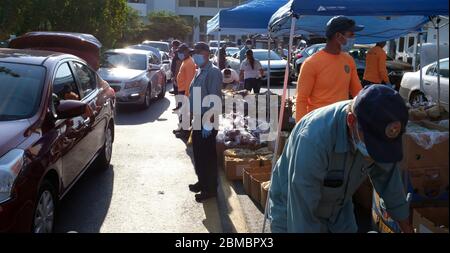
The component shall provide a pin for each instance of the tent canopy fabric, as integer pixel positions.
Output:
(250, 17)
(383, 19)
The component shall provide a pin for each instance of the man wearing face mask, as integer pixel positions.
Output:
(209, 81)
(184, 78)
(330, 153)
(243, 52)
(329, 75)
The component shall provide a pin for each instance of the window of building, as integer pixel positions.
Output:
(207, 3)
(229, 3)
(187, 3)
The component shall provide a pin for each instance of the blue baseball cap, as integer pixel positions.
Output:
(382, 116)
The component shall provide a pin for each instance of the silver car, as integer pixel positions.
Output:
(135, 76)
(410, 85)
(163, 57)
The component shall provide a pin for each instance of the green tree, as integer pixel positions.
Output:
(164, 25)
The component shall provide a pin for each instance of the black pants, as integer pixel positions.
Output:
(205, 160)
(252, 83)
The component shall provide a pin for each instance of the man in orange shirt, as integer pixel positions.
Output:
(376, 72)
(184, 78)
(330, 75)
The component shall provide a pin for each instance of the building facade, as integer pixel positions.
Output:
(195, 12)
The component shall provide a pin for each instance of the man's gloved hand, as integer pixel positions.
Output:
(206, 133)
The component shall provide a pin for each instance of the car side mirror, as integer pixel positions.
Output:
(70, 109)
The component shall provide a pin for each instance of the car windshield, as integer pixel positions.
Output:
(161, 46)
(20, 90)
(122, 60)
(263, 55)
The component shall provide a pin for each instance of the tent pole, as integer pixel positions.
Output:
(268, 63)
(218, 48)
(281, 115)
(438, 20)
(420, 61)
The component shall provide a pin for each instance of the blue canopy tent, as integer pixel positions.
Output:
(393, 18)
(250, 17)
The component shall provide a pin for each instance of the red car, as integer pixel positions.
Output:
(56, 119)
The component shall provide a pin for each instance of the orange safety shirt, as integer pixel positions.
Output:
(376, 71)
(186, 75)
(325, 79)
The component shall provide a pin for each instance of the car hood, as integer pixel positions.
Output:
(12, 134)
(274, 64)
(119, 74)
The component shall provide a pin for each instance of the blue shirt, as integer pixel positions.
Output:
(319, 143)
(209, 79)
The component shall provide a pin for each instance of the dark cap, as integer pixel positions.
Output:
(183, 47)
(201, 47)
(248, 41)
(382, 116)
(341, 24)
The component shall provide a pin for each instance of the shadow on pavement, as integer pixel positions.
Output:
(133, 115)
(85, 207)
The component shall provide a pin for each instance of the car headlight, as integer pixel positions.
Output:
(133, 84)
(10, 166)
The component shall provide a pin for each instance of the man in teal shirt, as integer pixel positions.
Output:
(330, 152)
(242, 54)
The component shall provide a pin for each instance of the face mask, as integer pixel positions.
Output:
(199, 59)
(181, 56)
(349, 45)
(360, 145)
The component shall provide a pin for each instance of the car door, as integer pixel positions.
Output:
(155, 74)
(71, 130)
(430, 82)
(444, 72)
(94, 120)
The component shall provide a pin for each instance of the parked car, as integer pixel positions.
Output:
(56, 119)
(161, 45)
(277, 64)
(229, 51)
(395, 68)
(135, 75)
(410, 85)
(162, 56)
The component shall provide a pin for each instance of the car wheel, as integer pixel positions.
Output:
(162, 94)
(44, 212)
(104, 159)
(417, 97)
(148, 97)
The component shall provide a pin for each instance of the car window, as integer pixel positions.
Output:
(20, 90)
(165, 57)
(64, 86)
(444, 69)
(86, 77)
(431, 71)
(153, 59)
(311, 50)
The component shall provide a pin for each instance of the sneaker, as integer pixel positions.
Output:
(203, 196)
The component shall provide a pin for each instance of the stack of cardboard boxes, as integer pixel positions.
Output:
(425, 176)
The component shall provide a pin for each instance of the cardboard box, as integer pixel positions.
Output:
(363, 196)
(255, 185)
(431, 220)
(248, 172)
(264, 193)
(415, 156)
(428, 186)
(234, 167)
